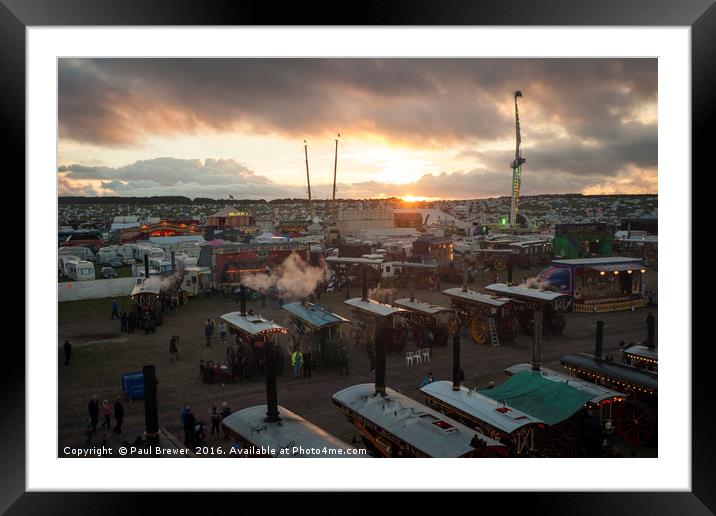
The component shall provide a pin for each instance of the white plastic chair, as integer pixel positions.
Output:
(426, 354)
(409, 358)
(418, 356)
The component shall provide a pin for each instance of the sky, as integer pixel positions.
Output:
(412, 128)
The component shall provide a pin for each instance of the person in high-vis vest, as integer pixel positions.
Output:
(296, 360)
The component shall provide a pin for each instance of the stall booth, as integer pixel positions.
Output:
(366, 312)
(394, 425)
(318, 329)
(491, 319)
(599, 284)
(553, 305)
(426, 318)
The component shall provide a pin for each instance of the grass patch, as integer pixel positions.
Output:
(73, 311)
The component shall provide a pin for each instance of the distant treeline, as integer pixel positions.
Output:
(178, 199)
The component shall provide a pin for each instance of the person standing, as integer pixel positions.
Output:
(173, 350)
(208, 331)
(123, 322)
(188, 420)
(344, 360)
(215, 420)
(68, 351)
(107, 413)
(428, 379)
(225, 412)
(93, 409)
(222, 332)
(115, 309)
(296, 358)
(118, 415)
(131, 321)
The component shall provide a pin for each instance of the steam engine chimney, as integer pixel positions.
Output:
(537, 339)
(599, 340)
(379, 358)
(146, 266)
(242, 300)
(151, 413)
(650, 331)
(509, 269)
(364, 294)
(272, 415)
(174, 261)
(456, 362)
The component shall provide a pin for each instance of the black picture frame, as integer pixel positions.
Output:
(700, 15)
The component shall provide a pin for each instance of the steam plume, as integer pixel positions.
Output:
(293, 278)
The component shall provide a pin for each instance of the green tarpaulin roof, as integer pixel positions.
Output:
(528, 391)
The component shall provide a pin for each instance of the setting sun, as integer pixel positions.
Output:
(416, 198)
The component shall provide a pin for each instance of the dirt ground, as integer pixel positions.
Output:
(101, 354)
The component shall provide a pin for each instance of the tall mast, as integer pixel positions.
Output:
(516, 166)
(308, 180)
(335, 169)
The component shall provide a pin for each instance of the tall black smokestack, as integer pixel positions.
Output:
(537, 339)
(146, 266)
(174, 261)
(272, 415)
(465, 273)
(650, 331)
(364, 294)
(242, 300)
(456, 362)
(151, 413)
(599, 340)
(379, 357)
(509, 269)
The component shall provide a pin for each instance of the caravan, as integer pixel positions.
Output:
(197, 280)
(79, 270)
(81, 252)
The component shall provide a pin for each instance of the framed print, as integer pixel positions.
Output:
(428, 235)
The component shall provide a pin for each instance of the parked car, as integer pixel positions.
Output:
(115, 262)
(108, 272)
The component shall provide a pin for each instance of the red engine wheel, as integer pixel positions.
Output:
(636, 422)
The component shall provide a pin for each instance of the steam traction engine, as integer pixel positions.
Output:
(554, 306)
(490, 319)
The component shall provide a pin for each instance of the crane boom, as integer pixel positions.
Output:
(335, 169)
(516, 166)
(308, 180)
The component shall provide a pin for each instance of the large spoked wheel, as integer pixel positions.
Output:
(479, 329)
(649, 255)
(636, 422)
(564, 440)
(500, 264)
(557, 323)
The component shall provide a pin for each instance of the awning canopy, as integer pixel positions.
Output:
(611, 267)
(551, 402)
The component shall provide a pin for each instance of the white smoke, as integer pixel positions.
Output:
(163, 282)
(382, 295)
(293, 278)
(535, 283)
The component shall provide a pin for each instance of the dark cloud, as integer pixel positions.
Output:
(582, 119)
(121, 101)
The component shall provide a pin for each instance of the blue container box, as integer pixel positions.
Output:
(133, 385)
